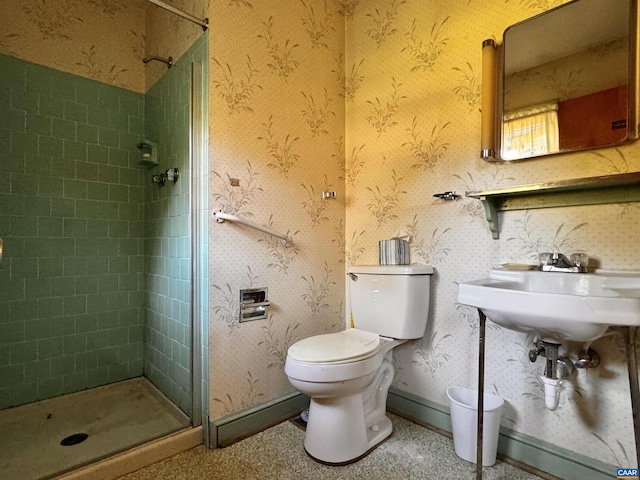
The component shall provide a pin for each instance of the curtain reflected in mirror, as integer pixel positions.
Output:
(530, 132)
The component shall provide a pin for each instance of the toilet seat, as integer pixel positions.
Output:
(347, 346)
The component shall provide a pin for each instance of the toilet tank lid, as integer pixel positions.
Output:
(392, 269)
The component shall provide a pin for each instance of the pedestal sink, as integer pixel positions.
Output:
(558, 306)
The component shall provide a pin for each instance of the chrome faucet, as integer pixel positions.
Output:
(557, 262)
(560, 261)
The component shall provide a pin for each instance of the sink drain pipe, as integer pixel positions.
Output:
(551, 392)
(632, 366)
(550, 378)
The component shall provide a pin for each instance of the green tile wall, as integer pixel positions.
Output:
(72, 220)
(167, 242)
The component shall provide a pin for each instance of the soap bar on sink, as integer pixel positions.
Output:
(518, 266)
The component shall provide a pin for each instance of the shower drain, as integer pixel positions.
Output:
(74, 439)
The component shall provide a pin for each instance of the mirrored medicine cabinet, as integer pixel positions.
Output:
(568, 80)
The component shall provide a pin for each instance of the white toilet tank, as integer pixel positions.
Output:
(390, 300)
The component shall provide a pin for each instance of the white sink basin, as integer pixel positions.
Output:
(558, 306)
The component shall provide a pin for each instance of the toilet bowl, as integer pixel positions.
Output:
(348, 374)
(349, 396)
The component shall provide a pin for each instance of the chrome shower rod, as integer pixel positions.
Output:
(204, 23)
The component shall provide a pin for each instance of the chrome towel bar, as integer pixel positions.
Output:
(220, 216)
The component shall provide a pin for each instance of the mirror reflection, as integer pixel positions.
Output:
(566, 79)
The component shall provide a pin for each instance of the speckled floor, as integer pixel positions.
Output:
(413, 452)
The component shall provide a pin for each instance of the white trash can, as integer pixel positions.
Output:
(464, 419)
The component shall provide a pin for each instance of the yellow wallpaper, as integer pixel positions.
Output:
(408, 77)
(277, 127)
(104, 40)
(413, 130)
(386, 115)
(168, 35)
(98, 39)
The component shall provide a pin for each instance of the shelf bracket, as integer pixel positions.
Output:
(491, 213)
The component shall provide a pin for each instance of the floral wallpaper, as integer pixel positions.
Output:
(378, 101)
(412, 130)
(168, 35)
(98, 39)
(104, 40)
(277, 141)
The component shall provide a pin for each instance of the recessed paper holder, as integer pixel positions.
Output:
(254, 304)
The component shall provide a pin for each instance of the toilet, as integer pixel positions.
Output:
(348, 374)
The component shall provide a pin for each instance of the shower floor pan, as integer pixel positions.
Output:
(114, 418)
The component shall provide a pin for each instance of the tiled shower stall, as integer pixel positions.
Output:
(73, 225)
(95, 281)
